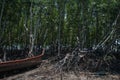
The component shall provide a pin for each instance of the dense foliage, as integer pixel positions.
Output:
(85, 32)
(49, 21)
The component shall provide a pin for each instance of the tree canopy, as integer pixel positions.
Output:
(50, 21)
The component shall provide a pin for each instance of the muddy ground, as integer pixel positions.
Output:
(47, 71)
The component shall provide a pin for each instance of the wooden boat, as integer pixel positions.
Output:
(22, 63)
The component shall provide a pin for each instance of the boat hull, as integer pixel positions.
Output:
(22, 63)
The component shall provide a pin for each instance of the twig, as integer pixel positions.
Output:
(106, 38)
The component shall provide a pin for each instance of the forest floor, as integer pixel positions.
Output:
(46, 71)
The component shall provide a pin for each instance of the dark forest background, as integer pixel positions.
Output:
(88, 29)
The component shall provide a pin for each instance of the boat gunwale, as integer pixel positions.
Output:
(21, 60)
